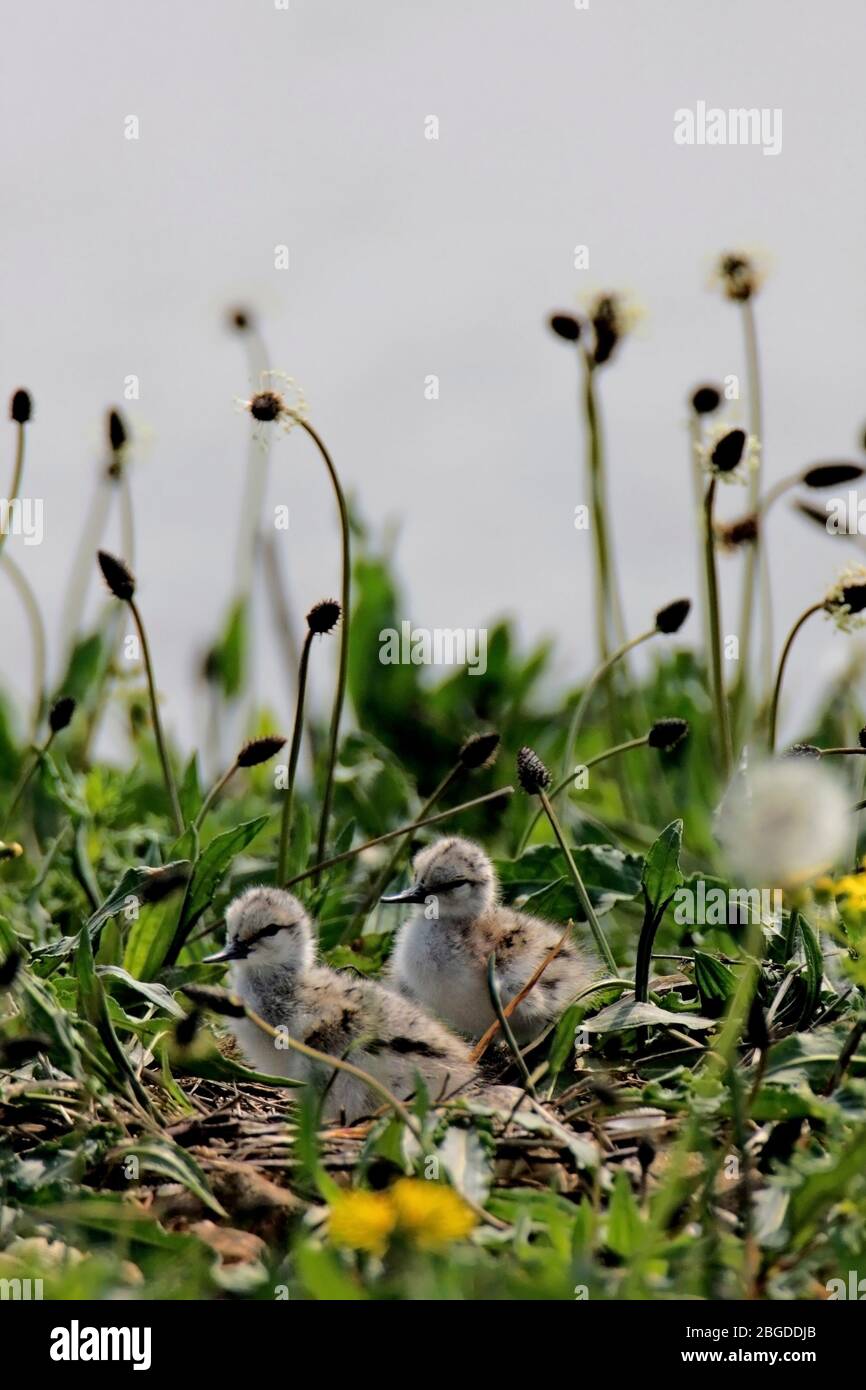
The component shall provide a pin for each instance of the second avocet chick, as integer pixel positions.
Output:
(441, 954)
(273, 970)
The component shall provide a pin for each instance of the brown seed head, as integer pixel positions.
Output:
(266, 406)
(832, 474)
(565, 326)
(117, 575)
(20, 406)
(673, 615)
(480, 750)
(532, 775)
(324, 616)
(737, 533)
(667, 733)
(117, 435)
(60, 714)
(259, 750)
(705, 400)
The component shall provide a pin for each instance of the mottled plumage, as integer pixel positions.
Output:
(273, 969)
(441, 953)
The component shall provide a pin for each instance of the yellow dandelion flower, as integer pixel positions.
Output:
(430, 1215)
(362, 1221)
(852, 887)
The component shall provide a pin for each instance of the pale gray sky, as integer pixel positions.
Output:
(409, 257)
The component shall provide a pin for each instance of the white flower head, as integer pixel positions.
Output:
(846, 601)
(783, 823)
(728, 453)
(740, 274)
(278, 401)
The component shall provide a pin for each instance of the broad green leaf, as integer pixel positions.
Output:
(150, 937)
(213, 1066)
(138, 885)
(563, 1039)
(85, 668)
(212, 865)
(661, 873)
(624, 1230)
(540, 879)
(92, 1005)
(189, 791)
(170, 1161)
(153, 993)
(628, 1013)
(300, 839)
(801, 939)
(716, 983)
(231, 652)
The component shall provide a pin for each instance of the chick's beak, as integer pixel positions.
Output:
(234, 950)
(416, 894)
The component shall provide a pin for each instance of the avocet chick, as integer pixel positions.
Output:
(273, 970)
(441, 953)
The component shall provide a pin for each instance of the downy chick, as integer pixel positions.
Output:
(441, 953)
(273, 969)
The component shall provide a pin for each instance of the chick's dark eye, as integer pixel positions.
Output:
(271, 929)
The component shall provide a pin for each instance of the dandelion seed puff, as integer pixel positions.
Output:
(278, 401)
(783, 823)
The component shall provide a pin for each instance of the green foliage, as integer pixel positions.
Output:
(110, 913)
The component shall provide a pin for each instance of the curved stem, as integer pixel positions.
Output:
(752, 568)
(715, 632)
(590, 762)
(696, 440)
(23, 782)
(127, 523)
(286, 818)
(517, 999)
(17, 471)
(583, 897)
(258, 450)
(167, 773)
(213, 794)
(607, 592)
(774, 706)
(316, 869)
(382, 880)
(586, 694)
(495, 1000)
(37, 637)
(76, 589)
(343, 666)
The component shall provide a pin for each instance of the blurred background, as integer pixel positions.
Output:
(408, 257)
